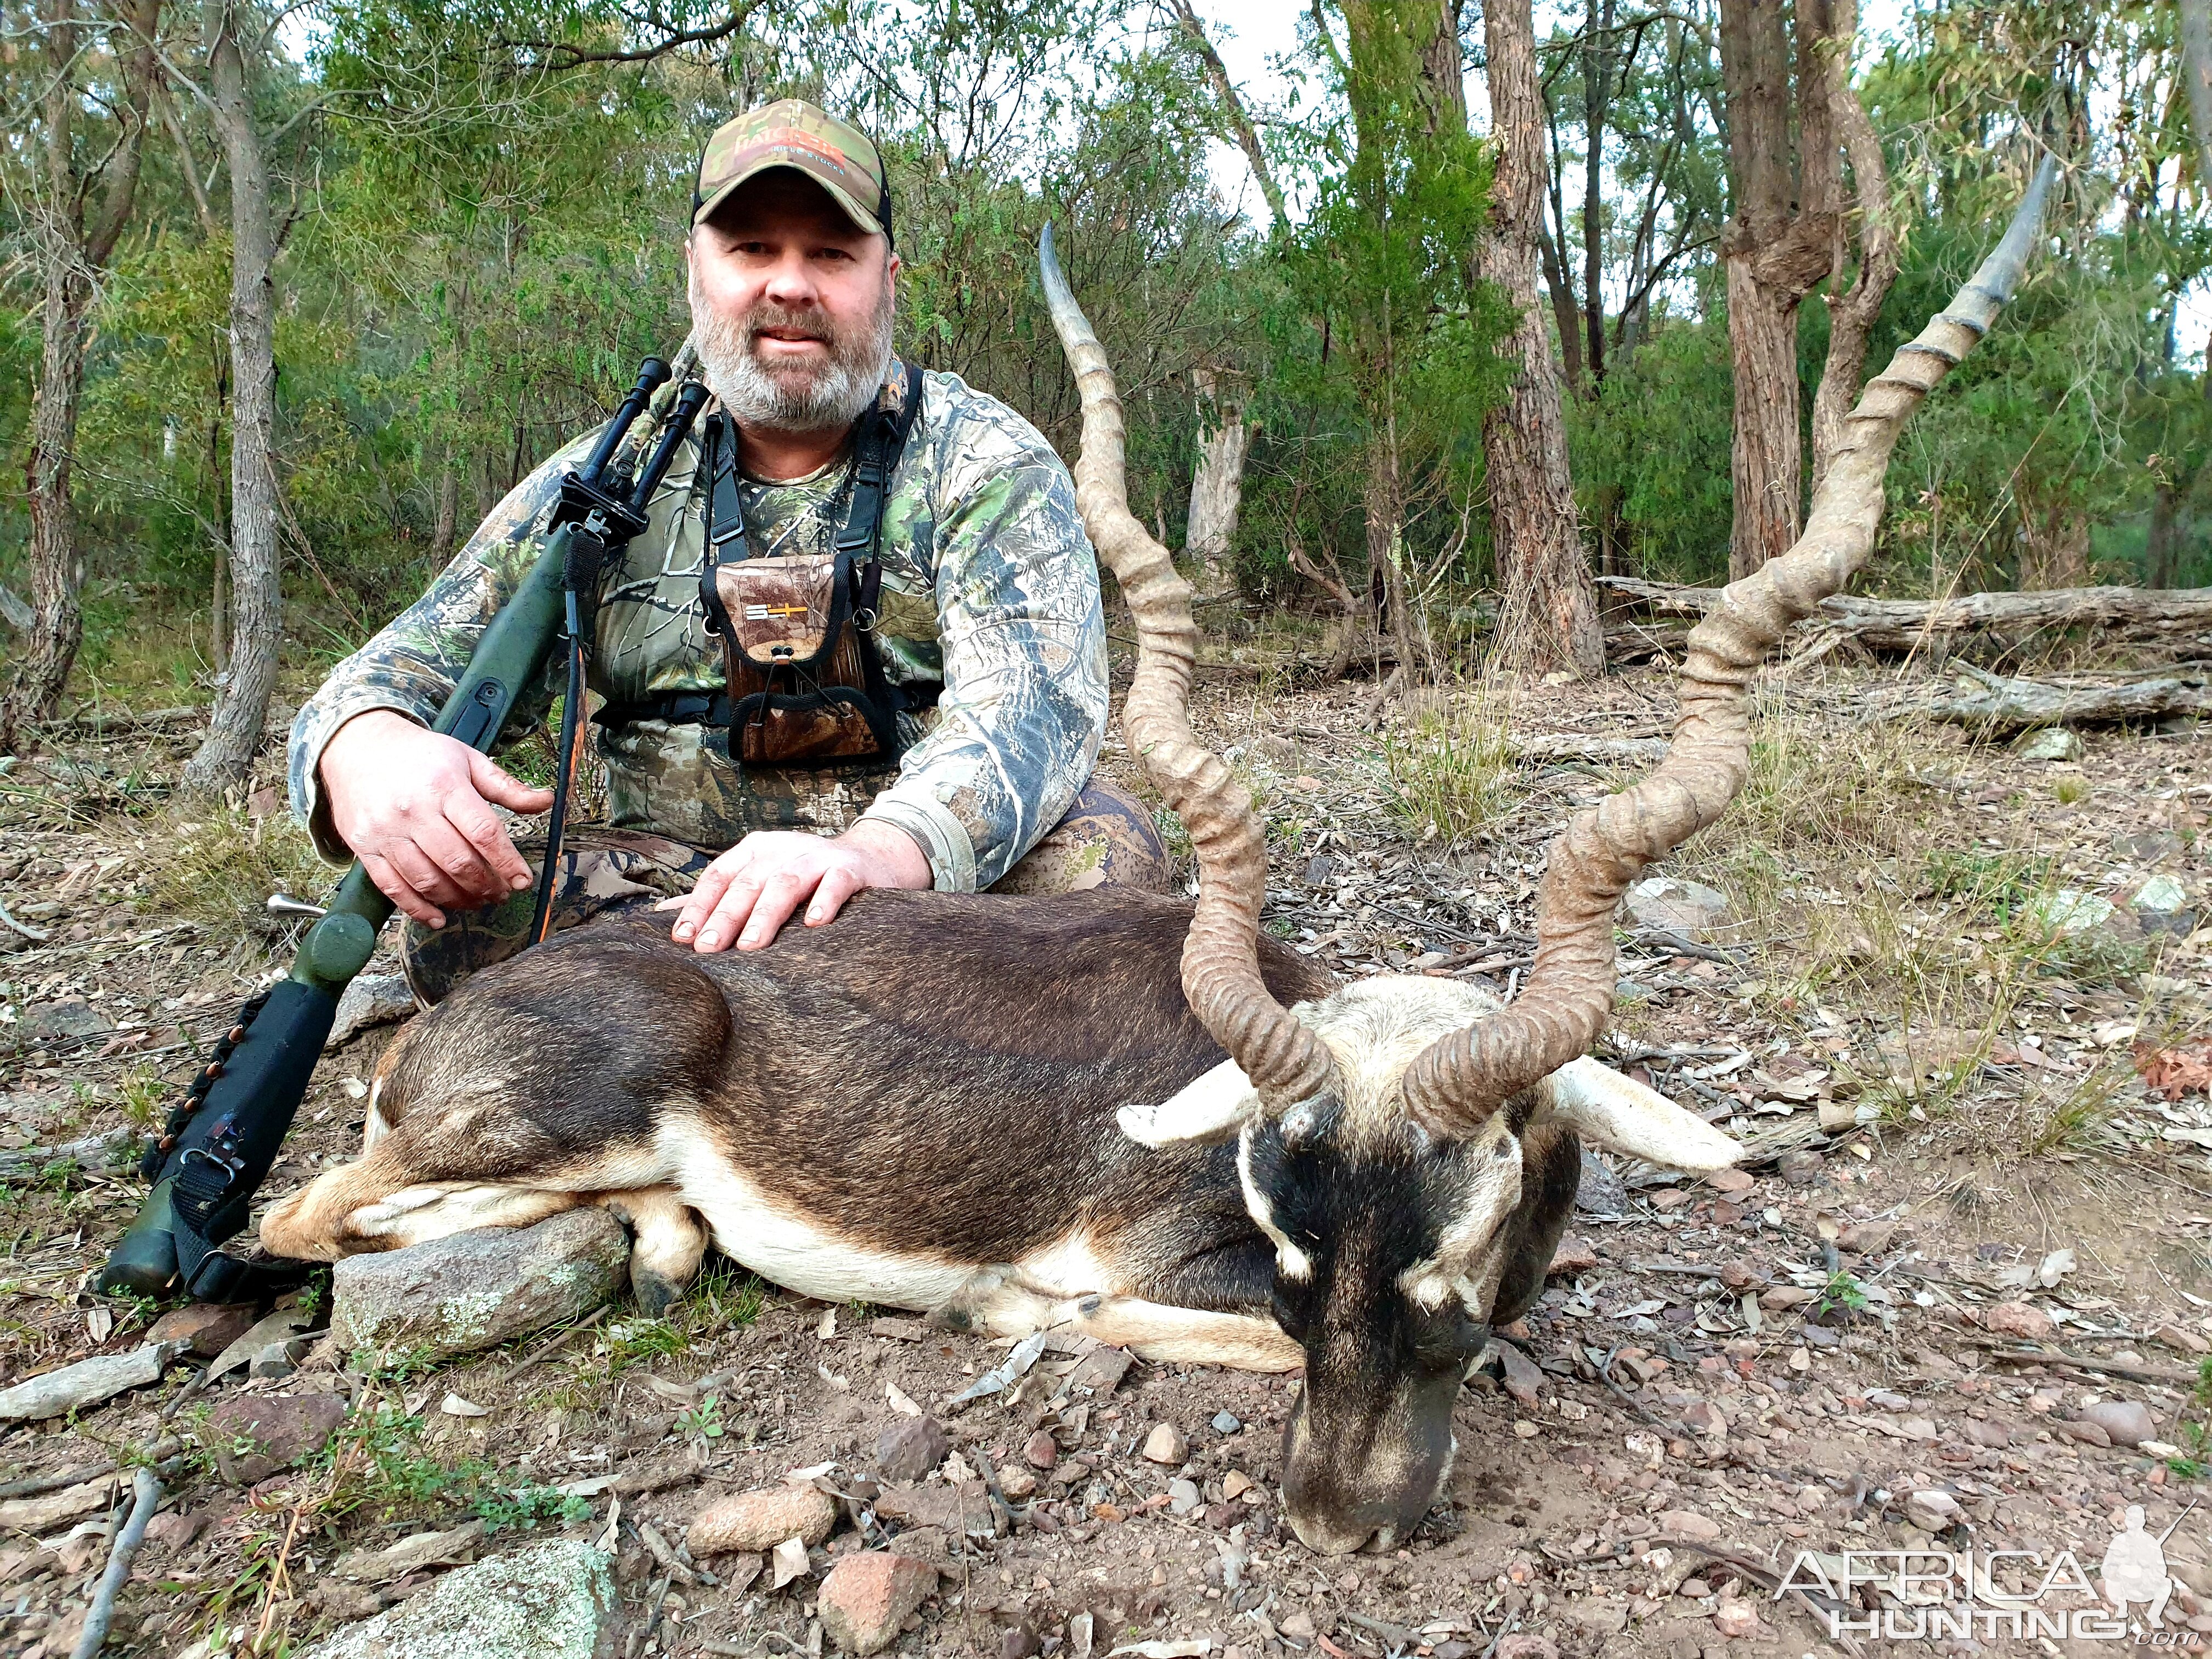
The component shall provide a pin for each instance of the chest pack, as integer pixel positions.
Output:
(806, 677)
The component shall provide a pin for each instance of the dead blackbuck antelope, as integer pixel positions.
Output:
(927, 1104)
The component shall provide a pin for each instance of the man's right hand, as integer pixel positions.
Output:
(411, 804)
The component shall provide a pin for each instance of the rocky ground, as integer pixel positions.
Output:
(1952, 997)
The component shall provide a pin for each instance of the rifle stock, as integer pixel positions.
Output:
(217, 1148)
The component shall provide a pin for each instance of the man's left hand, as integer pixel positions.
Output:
(744, 896)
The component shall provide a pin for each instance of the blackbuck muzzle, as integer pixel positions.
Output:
(1107, 1112)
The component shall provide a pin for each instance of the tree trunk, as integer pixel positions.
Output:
(1233, 110)
(2160, 558)
(1384, 500)
(1780, 241)
(449, 508)
(1217, 484)
(1598, 22)
(2196, 60)
(1548, 614)
(71, 252)
(1851, 318)
(257, 614)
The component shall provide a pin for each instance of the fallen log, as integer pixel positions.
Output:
(1904, 624)
(2005, 705)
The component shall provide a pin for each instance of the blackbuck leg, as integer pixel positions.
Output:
(667, 1243)
(1191, 1312)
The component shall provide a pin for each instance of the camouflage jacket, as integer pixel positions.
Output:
(990, 592)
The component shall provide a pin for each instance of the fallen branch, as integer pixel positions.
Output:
(1997, 1348)
(1610, 751)
(29, 1163)
(145, 1496)
(2006, 705)
(35, 935)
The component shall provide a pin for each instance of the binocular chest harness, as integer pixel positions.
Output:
(803, 676)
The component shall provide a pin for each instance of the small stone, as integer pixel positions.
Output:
(1888, 1400)
(1299, 1626)
(371, 999)
(2070, 911)
(1736, 1618)
(910, 1448)
(1705, 1418)
(2126, 1422)
(1600, 1192)
(2088, 1433)
(2051, 743)
(1932, 1511)
(1731, 1180)
(1737, 1276)
(1573, 1255)
(1525, 1430)
(279, 1359)
(75, 1018)
(762, 1519)
(1693, 1589)
(1040, 1450)
(1864, 1238)
(474, 1290)
(175, 1528)
(2017, 1319)
(2182, 1340)
(1017, 1484)
(550, 1600)
(1991, 1433)
(256, 1434)
(1524, 1379)
(1819, 1336)
(1800, 1168)
(207, 1327)
(1234, 1484)
(1166, 1444)
(1525, 1644)
(1689, 1524)
(1675, 906)
(1779, 1298)
(2160, 894)
(1226, 1423)
(1183, 1496)
(925, 1543)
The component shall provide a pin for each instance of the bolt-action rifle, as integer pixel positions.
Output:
(219, 1144)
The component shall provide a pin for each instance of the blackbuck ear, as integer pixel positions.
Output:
(1623, 1116)
(1212, 1109)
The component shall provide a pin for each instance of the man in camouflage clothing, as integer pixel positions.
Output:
(989, 609)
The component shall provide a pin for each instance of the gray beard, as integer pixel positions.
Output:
(792, 397)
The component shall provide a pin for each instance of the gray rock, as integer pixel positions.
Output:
(1183, 1496)
(278, 1359)
(255, 1436)
(910, 1448)
(476, 1290)
(2052, 743)
(549, 1601)
(1601, 1193)
(2126, 1422)
(1676, 905)
(371, 999)
(1226, 1423)
(73, 1019)
(2071, 911)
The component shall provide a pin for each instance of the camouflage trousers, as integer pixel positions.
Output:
(1107, 838)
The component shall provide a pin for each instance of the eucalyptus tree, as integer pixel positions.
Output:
(72, 186)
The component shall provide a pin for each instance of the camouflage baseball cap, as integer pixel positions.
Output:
(793, 133)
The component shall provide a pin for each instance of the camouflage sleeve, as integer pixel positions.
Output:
(1025, 702)
(413, 665)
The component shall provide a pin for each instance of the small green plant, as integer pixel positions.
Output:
(523, 1509)
(640, 1341)
(703, 1422)
(1841, 1293)
(402, 1366)
(2069, 790)
(1452, 776)
(2195, 1434)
